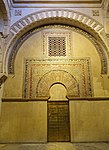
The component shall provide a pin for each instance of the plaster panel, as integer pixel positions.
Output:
(86, 49)
(89, 121)
(23, 122)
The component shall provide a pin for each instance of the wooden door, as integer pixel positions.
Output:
(58, 121)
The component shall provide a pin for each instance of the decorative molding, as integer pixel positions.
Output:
(40, 75)
(102, 55)
(40, 18)
(95, 12)
(23, 100)
(18, 12)
(56, 13)
(59, 1)
(57, 76)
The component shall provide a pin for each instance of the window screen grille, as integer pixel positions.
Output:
(56, 46)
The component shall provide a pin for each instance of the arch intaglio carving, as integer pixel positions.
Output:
(57, 76)
(58, 16)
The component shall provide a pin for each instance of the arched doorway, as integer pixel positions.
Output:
(58, 115)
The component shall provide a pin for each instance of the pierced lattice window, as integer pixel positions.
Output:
(56, 46)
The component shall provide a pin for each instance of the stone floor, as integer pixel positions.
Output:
(56, 146)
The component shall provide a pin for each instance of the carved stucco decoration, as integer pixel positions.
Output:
(99, 48)
(57, 76)
(55, 13)
(40, 74)
(45, 17)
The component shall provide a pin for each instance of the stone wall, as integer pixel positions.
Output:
(35, 48)
(23, 122)
(24, 111)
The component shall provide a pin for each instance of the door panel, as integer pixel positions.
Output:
(58, 121)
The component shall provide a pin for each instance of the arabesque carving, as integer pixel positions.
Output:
(57, 76)
(41, 74)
